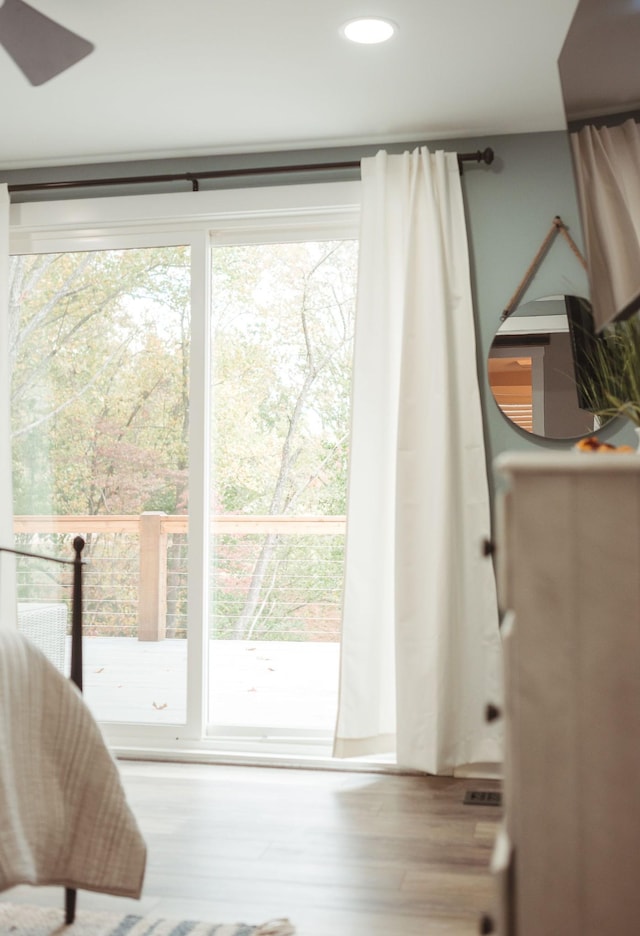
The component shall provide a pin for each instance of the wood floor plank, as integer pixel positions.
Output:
(339, 853)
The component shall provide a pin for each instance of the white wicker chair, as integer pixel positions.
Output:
(45, 625)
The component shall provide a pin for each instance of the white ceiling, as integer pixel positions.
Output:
(203, 77)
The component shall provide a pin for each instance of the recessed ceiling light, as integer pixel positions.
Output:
(369, 30)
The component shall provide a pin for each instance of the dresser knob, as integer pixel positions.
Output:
(486, 924)
(492, 712)
(488, 547)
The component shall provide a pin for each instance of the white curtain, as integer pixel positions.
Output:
(7, 583)
(606, 161)
(420, 640)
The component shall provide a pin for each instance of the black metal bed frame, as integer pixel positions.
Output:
(76, 651)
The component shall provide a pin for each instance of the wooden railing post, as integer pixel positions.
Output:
(152, 598)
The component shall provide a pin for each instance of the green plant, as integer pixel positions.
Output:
(609, 377)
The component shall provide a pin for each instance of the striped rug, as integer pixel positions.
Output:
(24, 920)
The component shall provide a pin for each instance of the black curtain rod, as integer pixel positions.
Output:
(480, 156)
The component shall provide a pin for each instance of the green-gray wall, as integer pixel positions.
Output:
(510, 209)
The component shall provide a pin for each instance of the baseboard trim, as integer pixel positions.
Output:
(479, 772)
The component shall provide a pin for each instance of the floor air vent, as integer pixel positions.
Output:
(482, 798)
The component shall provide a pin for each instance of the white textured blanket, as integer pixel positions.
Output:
(63, 814)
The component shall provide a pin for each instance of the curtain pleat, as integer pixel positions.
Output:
(606, 160)
(7, 578)
(420, 651)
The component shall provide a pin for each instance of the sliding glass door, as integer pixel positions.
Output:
(180, 398)
(100, 411)
(282, 338)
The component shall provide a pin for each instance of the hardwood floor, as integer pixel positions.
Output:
(340, 854)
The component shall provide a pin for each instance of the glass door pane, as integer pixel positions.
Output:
(100, 350)
(282, 317)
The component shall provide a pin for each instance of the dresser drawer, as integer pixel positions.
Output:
(503, 868)
(502, 553)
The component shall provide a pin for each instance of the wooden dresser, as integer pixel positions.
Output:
(567, 861)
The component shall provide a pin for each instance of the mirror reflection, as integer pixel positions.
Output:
(531, 369)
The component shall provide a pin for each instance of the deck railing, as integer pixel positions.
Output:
(271, 577)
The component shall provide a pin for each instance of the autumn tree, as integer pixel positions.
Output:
(287, 320)
(100, 345)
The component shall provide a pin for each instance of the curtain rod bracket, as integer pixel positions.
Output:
(485, 156)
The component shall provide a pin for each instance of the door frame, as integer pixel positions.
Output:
(199, 220)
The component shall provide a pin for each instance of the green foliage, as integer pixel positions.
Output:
(299, 596)
(283, 321)
(100, 345)
(610, 380)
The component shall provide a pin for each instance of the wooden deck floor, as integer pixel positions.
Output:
(340, 854)
(277, 683)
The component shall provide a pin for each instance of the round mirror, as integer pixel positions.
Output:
(532, 367)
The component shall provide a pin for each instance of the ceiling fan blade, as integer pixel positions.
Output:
(40, 47)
